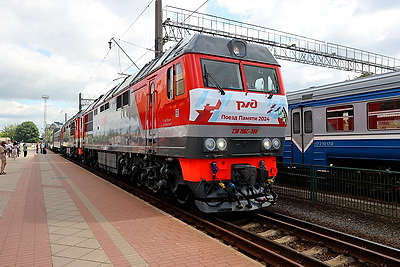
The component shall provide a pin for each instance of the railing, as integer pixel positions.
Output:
(371, 191)
(179, 23)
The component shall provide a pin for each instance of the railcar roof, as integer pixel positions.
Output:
(368, 84)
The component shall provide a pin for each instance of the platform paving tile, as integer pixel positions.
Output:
(60, 261)
(71, 240)
(3, 203)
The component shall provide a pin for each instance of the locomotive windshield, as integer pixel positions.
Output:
(221, 74)
(227, 75)
(261, 79)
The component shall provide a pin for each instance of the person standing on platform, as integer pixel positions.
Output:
(25, 149)
(9, 149)
(3, 157)
(37, 147)
(14, 151)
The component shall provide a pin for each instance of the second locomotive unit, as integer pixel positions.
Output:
(205, 120)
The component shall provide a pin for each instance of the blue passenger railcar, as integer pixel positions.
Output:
(353, 123)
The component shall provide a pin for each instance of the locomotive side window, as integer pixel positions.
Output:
(125, 98)
(180, 88)
(175, 81)
(261, 79)
(119, 101)
(308, 121)
(296, 123)
(170, 83)
(340, 119)
(384, 115)
(88, 122)
(72, 129)
(221, 74)
(104, 107)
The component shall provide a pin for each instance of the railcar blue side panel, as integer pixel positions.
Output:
(361, 149)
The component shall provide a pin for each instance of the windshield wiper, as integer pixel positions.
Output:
(276, 85)
(270, 94)
(208, 75)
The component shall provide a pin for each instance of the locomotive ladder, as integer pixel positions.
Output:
(180, 23)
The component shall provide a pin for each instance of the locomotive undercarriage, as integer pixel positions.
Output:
(250, 188)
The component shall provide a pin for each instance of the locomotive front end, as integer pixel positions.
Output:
(238, 115)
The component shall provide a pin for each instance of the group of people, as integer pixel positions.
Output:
(12, 150)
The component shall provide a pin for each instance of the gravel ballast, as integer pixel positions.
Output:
(368, 226)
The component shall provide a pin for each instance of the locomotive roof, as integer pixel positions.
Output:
(209, 45)
(198, 43)
(346, 89)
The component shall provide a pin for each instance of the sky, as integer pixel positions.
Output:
(60, 48)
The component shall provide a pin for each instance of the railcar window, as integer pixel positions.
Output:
(221, 73)
(308, 121)
(384, 115)
(340, 119)
(296, 123)
(179, 81)
(261, 79)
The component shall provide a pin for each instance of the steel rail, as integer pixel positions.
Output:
(357, 247)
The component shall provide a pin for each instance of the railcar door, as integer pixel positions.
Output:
(151, 138)
(302, 146)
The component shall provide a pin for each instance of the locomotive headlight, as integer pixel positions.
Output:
(266, 143)
(209, 144)
(221, 144)
(238, 48)
(276, 143)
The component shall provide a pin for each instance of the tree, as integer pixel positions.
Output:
(364, 74)
(9, 131)
(47, 136)
(27, 132)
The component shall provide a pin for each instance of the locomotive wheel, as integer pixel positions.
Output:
(132, 178)
(141, 178)
(183, 194)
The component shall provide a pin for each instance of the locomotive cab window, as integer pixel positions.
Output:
(384, 115)
(340, 119)
(170, 83)
(180, 89)
(221, 74)
(175, 81)
(261, 79)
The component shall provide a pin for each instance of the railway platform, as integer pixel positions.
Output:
(54, 213)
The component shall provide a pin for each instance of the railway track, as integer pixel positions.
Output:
(274, 239)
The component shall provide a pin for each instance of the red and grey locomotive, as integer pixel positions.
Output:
(205, 120)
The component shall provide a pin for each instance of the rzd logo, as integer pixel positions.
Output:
(242, 104)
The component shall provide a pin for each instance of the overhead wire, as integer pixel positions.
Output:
(119, 39)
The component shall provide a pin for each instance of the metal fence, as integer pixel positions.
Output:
(371, 191)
